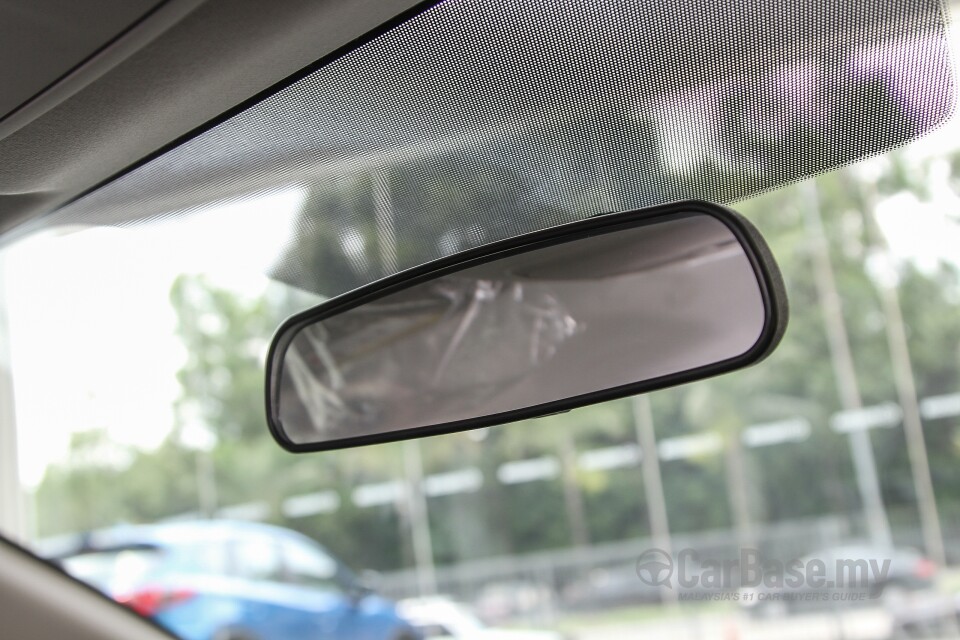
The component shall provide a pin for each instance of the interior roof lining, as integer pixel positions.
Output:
(111, 53)
(264, 93)
(216, 54)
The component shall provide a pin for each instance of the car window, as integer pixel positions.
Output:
(309, 566)
(207, 558)
(258, 559)
(115, 571)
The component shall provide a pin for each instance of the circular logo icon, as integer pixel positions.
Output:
(654, 567)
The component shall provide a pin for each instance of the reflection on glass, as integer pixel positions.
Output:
(563, 321)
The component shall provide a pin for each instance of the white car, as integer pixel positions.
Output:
(440, 617)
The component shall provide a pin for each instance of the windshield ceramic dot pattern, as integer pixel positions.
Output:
(477, 120)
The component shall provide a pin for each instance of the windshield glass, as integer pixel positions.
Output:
(141, 402)
(815, 495)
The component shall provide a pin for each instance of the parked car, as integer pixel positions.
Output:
(609, 587)
(440, 617)
(221, 580)
(507, 599)
(852, 575)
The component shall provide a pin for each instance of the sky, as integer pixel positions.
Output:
(83, 367)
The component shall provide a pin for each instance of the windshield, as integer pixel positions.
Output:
(815, 495)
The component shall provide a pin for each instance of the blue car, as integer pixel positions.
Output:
(218, 580)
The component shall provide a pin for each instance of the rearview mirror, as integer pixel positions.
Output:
(598, 309)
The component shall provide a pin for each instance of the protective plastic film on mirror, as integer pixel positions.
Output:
(571, 319)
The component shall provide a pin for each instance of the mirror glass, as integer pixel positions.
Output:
(590, 314)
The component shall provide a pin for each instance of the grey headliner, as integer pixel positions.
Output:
(67, 32)
(163, 86)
